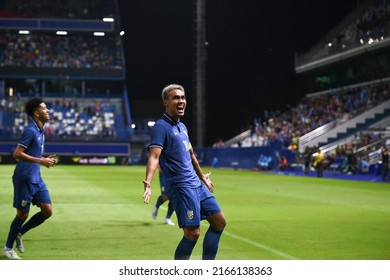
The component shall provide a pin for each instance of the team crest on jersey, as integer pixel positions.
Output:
(24, 203)
(187, 145)
(190, 214)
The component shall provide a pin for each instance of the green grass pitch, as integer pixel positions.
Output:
(99, 214)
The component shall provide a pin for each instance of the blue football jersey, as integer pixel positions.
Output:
(175, 159)
(33, 139)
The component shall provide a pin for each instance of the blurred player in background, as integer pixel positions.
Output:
(318, 162)
(188, 188)
(29, 187)
(161, 199)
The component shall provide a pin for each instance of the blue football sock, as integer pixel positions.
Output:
(184, 249)
(210, 244)
(159, 201)
(35, 221)
(170, 210)
(13, 231)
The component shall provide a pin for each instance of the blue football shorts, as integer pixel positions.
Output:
(27, 193)
(162, 188)
(193, 205)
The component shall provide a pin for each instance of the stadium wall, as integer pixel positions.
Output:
(123, 153)
(77, 153)
(243, 158)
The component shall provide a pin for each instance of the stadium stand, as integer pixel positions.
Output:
(64, 52)
(82, 76)
(356, 60)
(346, 111)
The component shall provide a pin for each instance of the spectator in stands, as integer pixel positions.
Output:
(219, 144)
(189, 189)
(385, 162)
(29, 186)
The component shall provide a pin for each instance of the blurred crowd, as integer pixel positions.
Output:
(85, 119)
(69, 9)
(313, 112)
(72, 51)
(370, 26)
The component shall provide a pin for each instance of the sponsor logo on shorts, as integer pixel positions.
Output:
(190, 214)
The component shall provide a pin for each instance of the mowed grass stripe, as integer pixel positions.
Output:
(99, 214)
(310, 218)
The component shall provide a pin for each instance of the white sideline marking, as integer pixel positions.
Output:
(258, 245)
(261, 246)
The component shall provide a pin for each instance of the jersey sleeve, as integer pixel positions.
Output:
(157, 136)
(27, 137)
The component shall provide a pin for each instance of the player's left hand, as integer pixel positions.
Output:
(208, 182)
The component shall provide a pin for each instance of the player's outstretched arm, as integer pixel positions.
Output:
(151, 168)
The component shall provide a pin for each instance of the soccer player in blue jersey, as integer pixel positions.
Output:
(161, 199)
(29, 188)
(188, 188)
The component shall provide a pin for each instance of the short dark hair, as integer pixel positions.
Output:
(32, 105)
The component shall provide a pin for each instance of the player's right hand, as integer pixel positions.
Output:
(48, 161)
(147, 191)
